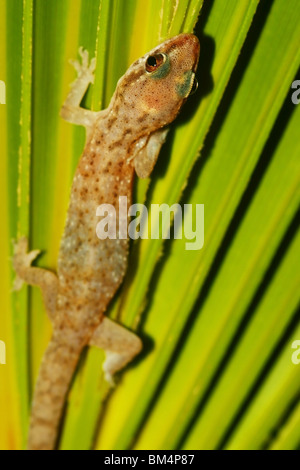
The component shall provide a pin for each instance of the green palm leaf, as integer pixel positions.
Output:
(217, 323)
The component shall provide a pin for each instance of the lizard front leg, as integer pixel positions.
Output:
(71, 110)
(42, 278)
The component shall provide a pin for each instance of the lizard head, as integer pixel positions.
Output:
(155, 87)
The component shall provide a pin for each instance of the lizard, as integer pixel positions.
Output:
(121, 140)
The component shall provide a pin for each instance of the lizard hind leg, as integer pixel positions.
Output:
(42, 278)
(119, 344)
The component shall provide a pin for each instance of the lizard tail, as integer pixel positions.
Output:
(57, 368)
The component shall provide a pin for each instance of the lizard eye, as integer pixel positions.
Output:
(154, 61)
(194, 87)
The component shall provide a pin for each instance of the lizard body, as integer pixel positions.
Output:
(123, 139)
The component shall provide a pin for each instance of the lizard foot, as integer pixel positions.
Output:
(108, 367)
(22, 259)
(86, 68)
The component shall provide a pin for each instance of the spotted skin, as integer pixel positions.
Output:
(123, 139)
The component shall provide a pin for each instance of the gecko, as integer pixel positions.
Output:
(121, 140)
